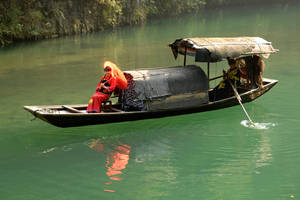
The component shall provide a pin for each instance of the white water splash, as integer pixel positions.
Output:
(48, 150)
(260, 126)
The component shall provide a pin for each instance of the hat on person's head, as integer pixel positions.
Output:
(231, 61)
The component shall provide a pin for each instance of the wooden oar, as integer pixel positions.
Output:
(240, 101)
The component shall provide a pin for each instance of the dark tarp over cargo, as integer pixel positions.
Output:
(165, 88)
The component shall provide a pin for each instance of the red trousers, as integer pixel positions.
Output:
(95, 101)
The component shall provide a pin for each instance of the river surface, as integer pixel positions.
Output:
(208, 155)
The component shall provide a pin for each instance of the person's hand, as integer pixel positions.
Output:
(100, 87)
(103, 86)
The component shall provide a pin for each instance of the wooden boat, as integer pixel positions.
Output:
(161, 92)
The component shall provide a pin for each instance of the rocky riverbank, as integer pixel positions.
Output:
(37, 19)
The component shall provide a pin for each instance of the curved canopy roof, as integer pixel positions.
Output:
(165, 88)
(218, 49)
(162, 82)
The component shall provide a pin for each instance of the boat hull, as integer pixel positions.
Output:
(57, 115)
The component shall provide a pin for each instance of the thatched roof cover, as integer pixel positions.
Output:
(218, 49)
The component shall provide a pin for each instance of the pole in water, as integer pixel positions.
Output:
(246, 113)
(240, 101)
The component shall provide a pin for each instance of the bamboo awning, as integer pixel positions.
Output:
(216, 49)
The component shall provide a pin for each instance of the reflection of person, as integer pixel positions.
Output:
(116, 159)
(224, 88)
(104, 89)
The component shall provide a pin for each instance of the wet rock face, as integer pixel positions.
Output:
(37, 19)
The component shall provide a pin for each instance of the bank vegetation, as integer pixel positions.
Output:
(37, 19)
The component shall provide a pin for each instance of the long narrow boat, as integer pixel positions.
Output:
(161, 92)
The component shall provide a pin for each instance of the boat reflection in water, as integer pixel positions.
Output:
(116, 160)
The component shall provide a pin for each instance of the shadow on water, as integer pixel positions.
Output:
(151, 155)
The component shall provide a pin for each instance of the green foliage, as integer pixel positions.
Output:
(138, 16)
(10, 26)
(35, 19)
(19, 21)
(176, 7)
(110, 12)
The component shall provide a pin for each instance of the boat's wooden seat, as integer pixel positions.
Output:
(108, 107)
(107, 104)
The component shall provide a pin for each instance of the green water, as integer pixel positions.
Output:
(199, 156)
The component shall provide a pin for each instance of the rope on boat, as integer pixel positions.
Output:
(35, 115)
(34, 118)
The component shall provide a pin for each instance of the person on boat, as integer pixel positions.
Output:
(233, 74)
(104, 89)
(255, 68)
(245, 81)
(259, 66)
